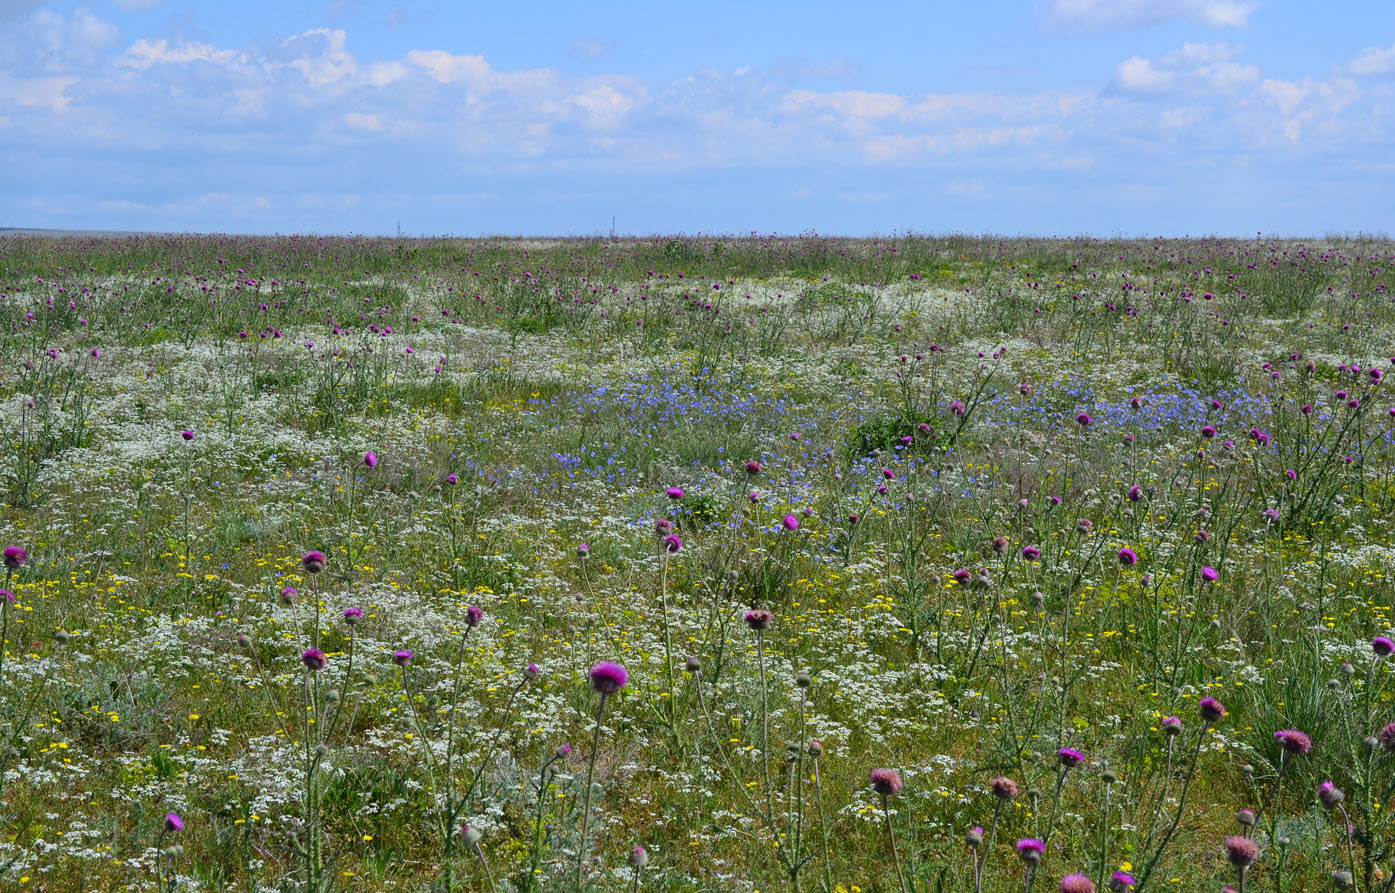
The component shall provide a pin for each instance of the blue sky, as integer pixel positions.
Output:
(1159, 117)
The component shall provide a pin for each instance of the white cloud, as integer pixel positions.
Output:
(358, 121)
(380, 74)
(1137, 74)
(591, 48)
(42, 93)
(447, 68)
(319, 55)
(145, 53)
(851, 103)
(1372, 63)
(604, 106)
(964, 187)
(1105, 14)
(50, 42)
(1195, 67)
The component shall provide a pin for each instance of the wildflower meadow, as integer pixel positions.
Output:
(920, 563)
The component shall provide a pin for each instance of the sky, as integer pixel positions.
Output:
(1039, 117)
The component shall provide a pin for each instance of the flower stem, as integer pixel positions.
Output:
(586, 801)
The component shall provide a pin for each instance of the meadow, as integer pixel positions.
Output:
(921, 563)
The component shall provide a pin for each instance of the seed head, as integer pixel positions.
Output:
(759, 620)
(1241, 851)
(886, 781)
(1293, 741)
(1003, 788)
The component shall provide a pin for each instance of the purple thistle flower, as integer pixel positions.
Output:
(1030, 850)
(1208, 431)
(1031, 553)
(1241, 851)
(402, 658)
(582, 550)
(1209, 574)
(173, 822)
(1212, 710)
(187, 435)
(473, 615)
(1077, 883)
(963, 576)
(1083, 420)
(1135, 493)
(608, 678)
(674, 492)
(352, 616)
(15, 557)
(1172, 726)
(452, 478)
(1122, 882)
(1070, 757)
(790, 523)
(1128, 557)
(314, 562)
(1382, 646)
(753, 467)
(370, 459)
(759, 620)
(886, 781)
(1329, 795)
(673, 543)
(314, 659)
(1387, 737)
(1293, 741)
(1003, 788)
(974, 837)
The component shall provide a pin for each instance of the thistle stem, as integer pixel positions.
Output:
(586, 801)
